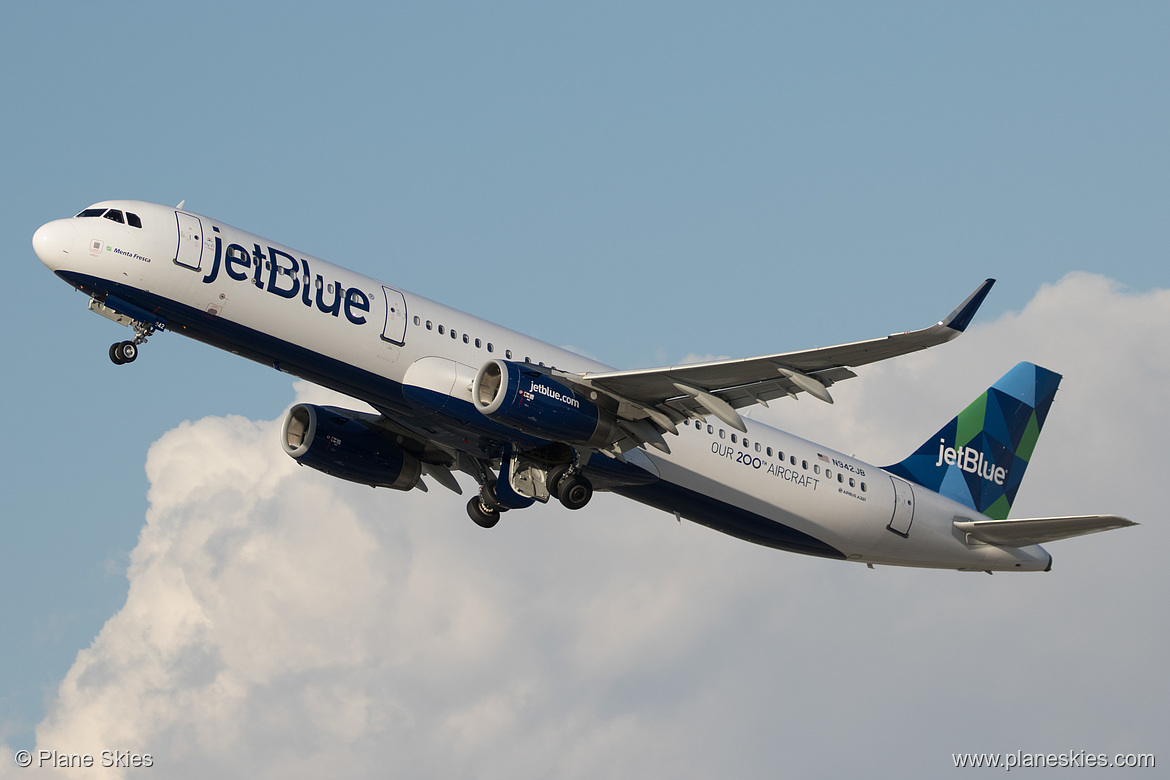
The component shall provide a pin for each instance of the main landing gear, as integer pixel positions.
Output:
(481, 514)
(485, 509)
(572, 488)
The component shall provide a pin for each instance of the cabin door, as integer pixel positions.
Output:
(903, 507)
(394, 330)
(189, 253)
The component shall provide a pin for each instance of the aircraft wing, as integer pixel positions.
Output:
(1038, 530)
(667, 396)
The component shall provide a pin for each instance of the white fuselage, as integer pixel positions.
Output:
(362, 337)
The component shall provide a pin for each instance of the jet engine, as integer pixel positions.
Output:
(339, 443)
(531, 401)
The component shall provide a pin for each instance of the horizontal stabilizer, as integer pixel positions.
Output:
(1038, 530)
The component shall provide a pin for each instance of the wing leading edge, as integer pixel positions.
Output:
(660, 398)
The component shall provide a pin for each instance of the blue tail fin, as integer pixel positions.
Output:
(980, 456)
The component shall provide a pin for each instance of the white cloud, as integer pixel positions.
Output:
(283, 624)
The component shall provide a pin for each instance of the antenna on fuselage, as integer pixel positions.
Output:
(183, 201)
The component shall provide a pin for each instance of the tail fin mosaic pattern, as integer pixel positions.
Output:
(979, 457)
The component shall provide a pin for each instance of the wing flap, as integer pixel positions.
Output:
(1025, 531)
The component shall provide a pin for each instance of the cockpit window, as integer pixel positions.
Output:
(115, 215)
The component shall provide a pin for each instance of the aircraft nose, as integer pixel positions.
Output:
(53, 241)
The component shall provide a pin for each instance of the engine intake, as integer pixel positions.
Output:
(337, 442)
(533, 402)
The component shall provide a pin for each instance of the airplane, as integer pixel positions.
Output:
(531, 422)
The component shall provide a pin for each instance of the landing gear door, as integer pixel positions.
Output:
(903, 507)
(189, 252)
(395, 328)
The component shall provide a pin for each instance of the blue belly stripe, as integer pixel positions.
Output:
(387, 394)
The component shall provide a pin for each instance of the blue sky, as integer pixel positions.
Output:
(642, 182)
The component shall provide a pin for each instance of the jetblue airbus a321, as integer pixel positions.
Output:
(529, 421)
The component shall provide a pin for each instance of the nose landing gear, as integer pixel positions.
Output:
(127, 351)
(123, 352)
(143, 322)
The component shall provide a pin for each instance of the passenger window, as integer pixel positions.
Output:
(722, 434)
(478, 343)
(839, 477)
(851, 483)
(733, 438)
(133, 220)
(816, 469)
(428, 325)
(454, 335)
(792, 459)
(710, 429)
(757, 446)
(417, 321)
(115, 215)
(441, 330)
(804, 465)
(508, 354)
(862, 487)
(769, 452)
(490, 347)
(466, 340)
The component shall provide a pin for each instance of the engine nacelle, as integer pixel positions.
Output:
(337, 442)
(535, 403)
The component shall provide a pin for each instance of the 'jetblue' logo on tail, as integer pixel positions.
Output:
(980, 456)
(971, 461)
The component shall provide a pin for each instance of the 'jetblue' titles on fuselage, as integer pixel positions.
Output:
(285, 279)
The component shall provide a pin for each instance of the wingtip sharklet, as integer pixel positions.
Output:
(961, 317)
